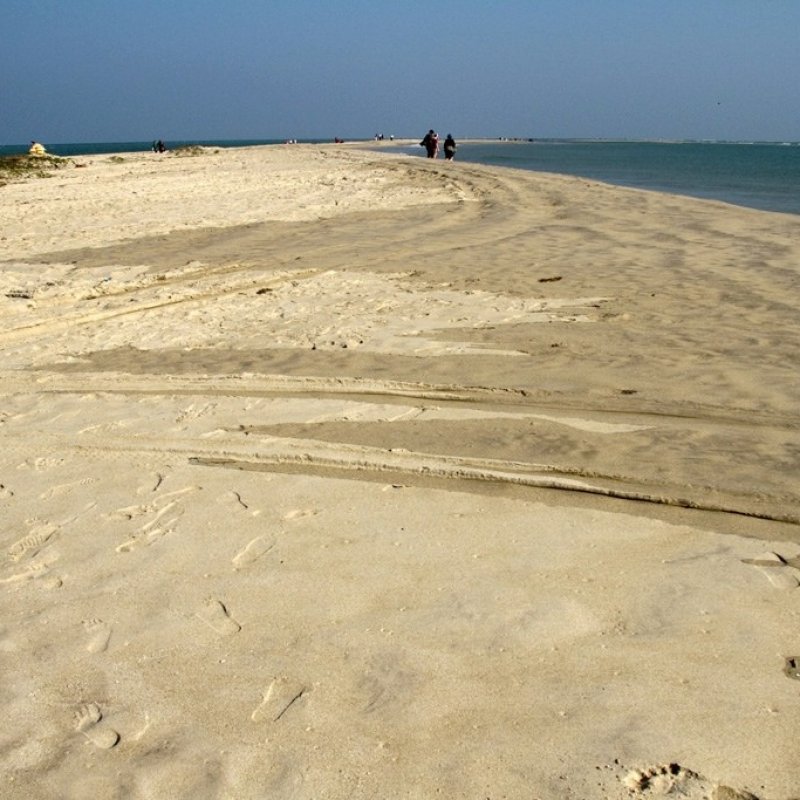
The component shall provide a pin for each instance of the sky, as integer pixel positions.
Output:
(138, 70)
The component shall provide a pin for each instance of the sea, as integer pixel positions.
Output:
(763, 175)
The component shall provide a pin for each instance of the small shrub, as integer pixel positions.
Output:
(25, 166)
(188, 150)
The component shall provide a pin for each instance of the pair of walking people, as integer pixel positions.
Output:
(431, 144)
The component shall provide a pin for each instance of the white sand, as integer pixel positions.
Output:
(327, 474)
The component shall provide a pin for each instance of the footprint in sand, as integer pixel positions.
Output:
(673, 779)
(154, 529)
(792, 667)
(195, 411)
(149, 537)
(99, 635)
(33, 571)
(283, 692)
(300, 513)
(254, 550)
(41, 463)
(32, 543)
(663, 779)
(65, 488)
(779, 573)
(216, 616)
(161, 505)
(88, 721)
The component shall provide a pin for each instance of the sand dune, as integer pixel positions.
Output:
(328, 473)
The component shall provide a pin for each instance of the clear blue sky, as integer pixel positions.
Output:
(127, 70)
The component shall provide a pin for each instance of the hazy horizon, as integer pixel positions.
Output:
(571, 69)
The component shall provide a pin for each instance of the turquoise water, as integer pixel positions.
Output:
(759, 175)
(763, 175)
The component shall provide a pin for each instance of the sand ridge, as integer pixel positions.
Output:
(328, 473)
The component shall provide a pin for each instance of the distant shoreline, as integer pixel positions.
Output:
(762, 175)
(138, 146)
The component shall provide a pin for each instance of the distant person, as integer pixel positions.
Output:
(160, 146)
(431, 143)
(36, 149)
(449, 147)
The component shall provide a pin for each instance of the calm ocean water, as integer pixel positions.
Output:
(758, 175)
(763, 175)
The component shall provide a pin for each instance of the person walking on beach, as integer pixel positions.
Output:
(449, 147)
(431, 143)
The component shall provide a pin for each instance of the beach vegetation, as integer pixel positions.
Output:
(188, 150)
(15, 168)
(116, 159)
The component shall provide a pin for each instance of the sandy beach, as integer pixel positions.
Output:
(329, 473)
